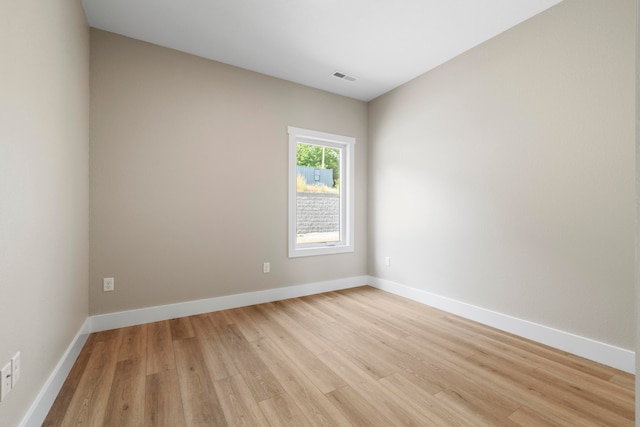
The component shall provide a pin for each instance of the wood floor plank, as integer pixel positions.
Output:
(159, 347)
(453, 372)
(88, 405)
(624, 380)
(421, 317)
(525, 417)
(359, 356)
(126, 398)
(421, 401)
(219, 319)
(199, 398)
(429, 378)
(362, 319)
(134, 343)
(388, 404)
(313, 343)
(596, 403)
(261, 381)
(437, 339)
(601, 401)
(357, 409)
(163, 402)
(237, 402)
(61, 405)
(181, 328)
(314, 321)
(246, 324)
(534, 393)
(282, 411)
(469, 411)
(298, 353)
(600, 393)
(302, 391)
(372, 312)
(607, 390)
(214, 352)
(363, 350)
(534, 348)
(304, 307)
(426, 327)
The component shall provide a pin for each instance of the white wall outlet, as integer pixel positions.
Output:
(5, 381)
(108, 284)
(387, 261)
(16, 369)
(266, 267)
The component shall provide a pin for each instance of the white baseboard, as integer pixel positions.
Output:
(600, 352)
(154, 314)
(40, 407)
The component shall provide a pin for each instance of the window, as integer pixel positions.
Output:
(320, 193)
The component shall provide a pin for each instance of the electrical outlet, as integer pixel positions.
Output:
(266, 267)
(387, 261)
(16, 369)
(5, 381)
(108, 284)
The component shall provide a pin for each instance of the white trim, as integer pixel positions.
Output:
(40, 407)
(320, 137)
(600, 352)
(122, 319)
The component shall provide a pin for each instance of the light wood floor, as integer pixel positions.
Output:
(359, 357)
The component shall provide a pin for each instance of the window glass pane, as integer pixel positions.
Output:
(318, 194)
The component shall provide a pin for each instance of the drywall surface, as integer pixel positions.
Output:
(189, 176)
(44, 189)
(505, 177)
(637, 116)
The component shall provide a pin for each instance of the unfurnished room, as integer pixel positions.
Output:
(318, 212)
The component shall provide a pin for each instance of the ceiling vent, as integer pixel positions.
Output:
(344, 76)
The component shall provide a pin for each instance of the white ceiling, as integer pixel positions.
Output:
(384, 43)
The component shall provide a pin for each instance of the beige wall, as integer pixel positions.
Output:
(44, 183)
(637, 116)
(189, 176)
(505, 177)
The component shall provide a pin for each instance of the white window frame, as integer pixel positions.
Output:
(347, 183)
